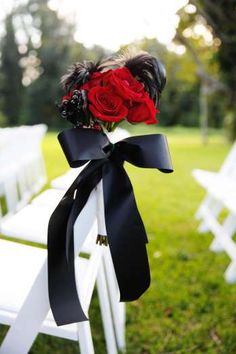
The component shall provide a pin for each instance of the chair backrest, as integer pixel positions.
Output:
(9, 196)
(32, 174)
(229, 165)
(118, 134)
(22, 170)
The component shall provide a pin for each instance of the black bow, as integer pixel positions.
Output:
(125, 230)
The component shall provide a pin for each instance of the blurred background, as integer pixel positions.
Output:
(195, 40)
(189, 307)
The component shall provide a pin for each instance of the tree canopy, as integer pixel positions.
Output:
(11, 87)
(39, 46)
(218, 22)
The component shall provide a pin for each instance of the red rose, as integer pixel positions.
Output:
(105, 105)
(124, 84)
(144, 111)
(95, 80)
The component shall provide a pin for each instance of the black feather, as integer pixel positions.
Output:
(150, 71)
(78, 75)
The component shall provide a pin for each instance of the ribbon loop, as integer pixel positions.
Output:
(82, 145)
(148, 151)
(125, 230)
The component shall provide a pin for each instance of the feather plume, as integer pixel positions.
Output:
(78, 74)
(150, 71)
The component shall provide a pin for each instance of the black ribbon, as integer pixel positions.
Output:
(125, 230)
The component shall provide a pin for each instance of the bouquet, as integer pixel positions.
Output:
(98, 97)
(104, 94)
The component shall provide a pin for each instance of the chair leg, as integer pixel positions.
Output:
(106, 312)
(216, 246)
(120, 326)
(85, 338)
(230, 273)
(118, 308)
(229, 226)
(22, 333)
(210, 204)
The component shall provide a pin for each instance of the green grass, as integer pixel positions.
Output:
(188, 308)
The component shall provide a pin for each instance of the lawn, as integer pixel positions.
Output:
(188, 308)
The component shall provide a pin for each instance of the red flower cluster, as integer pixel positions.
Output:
(115, 95)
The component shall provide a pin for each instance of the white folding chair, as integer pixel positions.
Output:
(33, 164)
(224, 230)
(230, 203)
(220, 195)
(31, 224)
(26, 311)
(223, 233)
(207, 178)
(21, 155)
(8, 193)
(36, 231)
(51, 198)
(213, 182)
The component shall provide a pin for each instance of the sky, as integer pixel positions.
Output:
(113, 23)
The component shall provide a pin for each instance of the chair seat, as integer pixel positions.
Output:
(50, 197)
(31, 224)
(63, 182)
(19, 265)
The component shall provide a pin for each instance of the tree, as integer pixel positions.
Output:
(221, 16)
(47, 49)
(11, 88)
(219, 19)
(52, 53)
(178, 102)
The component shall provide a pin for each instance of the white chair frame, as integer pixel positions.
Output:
(28, 322)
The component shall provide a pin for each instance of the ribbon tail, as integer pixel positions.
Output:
(126, 233)
(63, 295)
(91, 178)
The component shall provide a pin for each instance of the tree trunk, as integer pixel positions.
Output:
(230, 118)
(203, 108)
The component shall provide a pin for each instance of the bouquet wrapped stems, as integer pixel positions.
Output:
(101, 226)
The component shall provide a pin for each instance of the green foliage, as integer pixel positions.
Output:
(11, 90)
(49, 49)
(179, 106)
(179, 102)
(188, 308)
(220, 20)
(80, 53)
(3, 120)
(52, 54)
